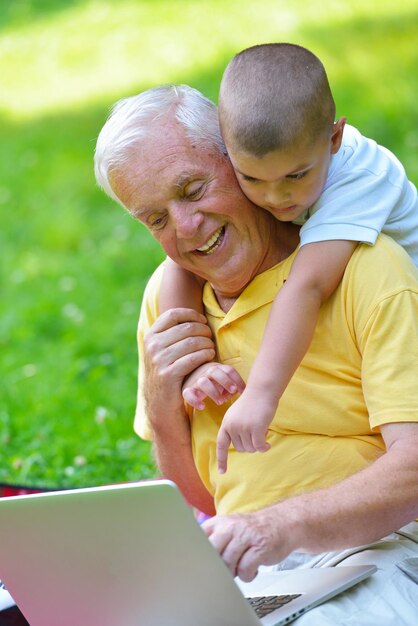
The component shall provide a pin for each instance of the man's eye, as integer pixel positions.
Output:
(193, 192)
(157, 222)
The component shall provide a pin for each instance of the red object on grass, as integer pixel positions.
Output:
(19, 490)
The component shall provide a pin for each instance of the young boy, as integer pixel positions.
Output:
(292, 159)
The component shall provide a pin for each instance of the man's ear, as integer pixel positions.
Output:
(337, 134)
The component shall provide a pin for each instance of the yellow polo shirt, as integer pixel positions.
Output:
(361, 371)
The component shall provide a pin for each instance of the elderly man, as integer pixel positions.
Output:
(342, 469)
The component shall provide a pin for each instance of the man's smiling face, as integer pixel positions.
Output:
(189, 199)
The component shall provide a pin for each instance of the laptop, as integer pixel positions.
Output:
(134, 555)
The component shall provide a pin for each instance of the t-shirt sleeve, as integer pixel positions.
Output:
(386, 310)
(148, 315)
(390, 357)
(354, 207)
(366, 187)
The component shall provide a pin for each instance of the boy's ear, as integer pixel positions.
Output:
(337, 134)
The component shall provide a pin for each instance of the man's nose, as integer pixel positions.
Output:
(186, 220)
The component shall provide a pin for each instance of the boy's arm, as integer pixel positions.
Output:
(316, 272)
(180, 288)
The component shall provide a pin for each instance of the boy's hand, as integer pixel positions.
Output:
(245, 425)
(212, 380)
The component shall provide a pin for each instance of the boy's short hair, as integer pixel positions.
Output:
(273, 95)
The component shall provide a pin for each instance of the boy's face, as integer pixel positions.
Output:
(287, 182)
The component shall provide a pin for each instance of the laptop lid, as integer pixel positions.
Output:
(124, 555)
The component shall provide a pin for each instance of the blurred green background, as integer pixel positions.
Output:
(73, 264)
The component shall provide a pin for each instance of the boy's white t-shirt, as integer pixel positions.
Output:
(366, 192)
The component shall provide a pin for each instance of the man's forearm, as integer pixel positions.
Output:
(178, 342)
(360, 509)
(173, 452)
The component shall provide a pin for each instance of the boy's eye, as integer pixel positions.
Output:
(297, 176)
(248, 179)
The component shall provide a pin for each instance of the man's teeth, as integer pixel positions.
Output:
(210, 244)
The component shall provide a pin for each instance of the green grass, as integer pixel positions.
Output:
(73, 264)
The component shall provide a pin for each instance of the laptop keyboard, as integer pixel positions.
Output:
(263, 605)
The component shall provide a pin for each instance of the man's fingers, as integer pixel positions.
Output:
(219, 539)
(189, 333)
(174, 327)
(222, 445)
(232, 539)
(187, 346)
(247, 566)
(174, 317)
(189, 361)
(245, 540)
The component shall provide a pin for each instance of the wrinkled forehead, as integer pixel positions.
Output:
(160, 165)
(167, 148)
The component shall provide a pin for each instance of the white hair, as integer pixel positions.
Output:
(130, 119)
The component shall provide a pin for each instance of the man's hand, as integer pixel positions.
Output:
(351, 512)
(212, 380)
(245, 425)
(177, 343)
(246, 541)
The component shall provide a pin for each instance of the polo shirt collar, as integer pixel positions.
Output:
(261, 291)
